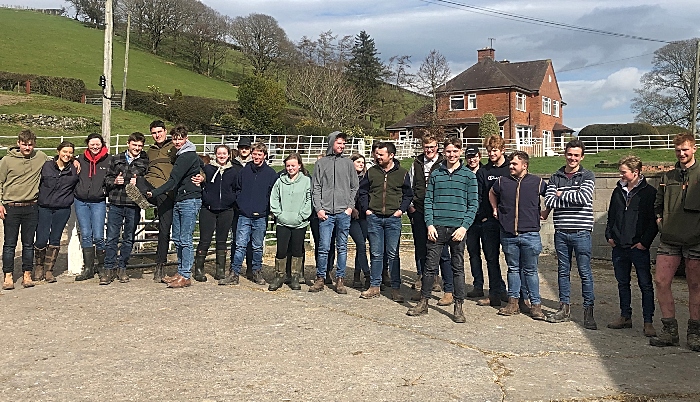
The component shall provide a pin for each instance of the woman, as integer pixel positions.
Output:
(217, 211)
(90, 204)
(358, 225)
(56, 185)
(290, 202)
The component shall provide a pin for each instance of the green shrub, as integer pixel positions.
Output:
(60, 87)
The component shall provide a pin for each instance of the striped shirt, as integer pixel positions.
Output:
(452, 198)
(573, 209)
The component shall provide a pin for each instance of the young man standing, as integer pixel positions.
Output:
(124, 214)
(472, 159)
(243, 158)
(188, 201)
(570, 194)
(389, 197)
(515, 200)
(451, 203)
(333, 189)
(488, 226)
(253, 188)
(20, 171)
(677, 210)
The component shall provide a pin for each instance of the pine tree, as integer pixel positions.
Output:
(365, 70)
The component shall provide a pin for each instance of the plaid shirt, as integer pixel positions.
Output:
(138, 167)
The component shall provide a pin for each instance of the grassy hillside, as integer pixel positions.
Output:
(50, 45)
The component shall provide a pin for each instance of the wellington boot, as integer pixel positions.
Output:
(668, 336)
(8, 283)
(419, 309)
(280, 273)
(588, 320)
(88, 265)
(458, 315)
(446, 299)
(199, 258)
(100, 257)
(297, 263)
(158, 273)
(49, 262)
(694, 335)
(511, 308)
(220, 265)
(27, 279)
(39, 259)
(562, 315)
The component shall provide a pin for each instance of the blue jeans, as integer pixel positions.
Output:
(184, 218)
(91, 219)
(249, 230)
(340, 224)
(53, 222)
(120, 220)
(25, 218)
(622, 259)
(568, 244)
(358, 233)
(522, 254)
(384, 233)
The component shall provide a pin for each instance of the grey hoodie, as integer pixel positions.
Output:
(334, 182)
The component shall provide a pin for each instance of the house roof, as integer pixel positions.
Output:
(490, 74)
(560, 127)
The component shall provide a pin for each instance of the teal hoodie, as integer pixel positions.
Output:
(290, 201)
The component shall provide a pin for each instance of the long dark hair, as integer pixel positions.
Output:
(295, 155)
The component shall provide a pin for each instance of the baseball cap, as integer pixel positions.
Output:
(244, 142)
(471, 150)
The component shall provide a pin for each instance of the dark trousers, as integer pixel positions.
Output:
(623, 259)
(234, 233)
(290, 240)
(164, 210)
(420, 244)
(210, 222)
(474, 251)
(25, 218)
(53, 221)
(491, 244)
(435, 250)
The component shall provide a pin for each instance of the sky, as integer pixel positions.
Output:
(597, 74)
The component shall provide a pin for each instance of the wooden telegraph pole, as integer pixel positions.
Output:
(694, 118)
(126, 59)
(107, 90)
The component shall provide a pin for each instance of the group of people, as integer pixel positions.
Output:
(453, 202)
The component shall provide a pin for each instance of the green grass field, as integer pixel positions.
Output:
(58, 46)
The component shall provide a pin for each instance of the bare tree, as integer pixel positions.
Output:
(207, 39)
(261, 39)
(397, 71)
(433, 72)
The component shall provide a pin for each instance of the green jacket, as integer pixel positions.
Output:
(290, 201)
(160, 163)
(389, 191)
(19, 175)
(678, 204)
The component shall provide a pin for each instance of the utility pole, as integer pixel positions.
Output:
(694, 120)
(126, 59)
(107, 90)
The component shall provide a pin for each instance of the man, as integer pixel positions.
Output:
(20, 171)
(389, 197)
(252, 188)
(243, 158)
(423, 165)
(244, 151)
(488, 227)
(188, 201)
(570, 194)
(333, 189)
(472, 159)
(515, 200)
(451, 203)
(677, 209)
(124, 214)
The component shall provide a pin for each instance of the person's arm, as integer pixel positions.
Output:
(659, 200)
(551, 199)
(472, 204)
(306, 207)
(354, 187)
(180, 168)
(584, 194)
(112, 175)
(3, 179)
(493, 200)
(275, 200)
(612, 217)
(316, 190)
(406, 195)
(647, 212)
(428, 209)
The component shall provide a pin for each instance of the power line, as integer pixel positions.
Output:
(535, 21)
(605, 62)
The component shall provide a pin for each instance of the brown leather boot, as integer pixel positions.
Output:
(8, 283)
(511, 308)
(397, 296)
(536, 312)
(39, 259)
(446, 299)
(371, 293)
(49, 262)
(458, 315)
(649, 330)
(318, 285)
(27, 279)
(340, 286)
(419, 309)
(621, 322)
(524, 305)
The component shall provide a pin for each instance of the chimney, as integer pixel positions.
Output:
(486, 53)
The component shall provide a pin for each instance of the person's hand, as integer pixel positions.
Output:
(355, 214)
(149, 194)
(2, 212)
(658, 221)
(76, 164)
(459, 234)
(368, 212)
(495, 213)
(639, 246)
(321, 215)
(132, 181)
(398, 213)
(611, 242)
(411, 209)
(197, 179)
(559, 193)
(544, 214)
(119, 180)
(432, 233)
(348, 211)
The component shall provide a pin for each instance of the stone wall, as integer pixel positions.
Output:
(604, 185)
(58, 122)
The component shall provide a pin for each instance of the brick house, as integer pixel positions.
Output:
(524, 97)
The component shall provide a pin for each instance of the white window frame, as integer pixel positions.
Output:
(547, 139)
(454, 98)
(405, 135)
(555, 108)
(523, 135)
(546, 105)
(520, 102)
(501, 130)
(471, 102)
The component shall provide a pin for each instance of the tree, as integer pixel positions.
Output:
(92, 11)
(397, 71)
(433, 72)
(207, 40)
(666, 94)
(261, 101)
(488, 126)
(261, 39)
(365, 69)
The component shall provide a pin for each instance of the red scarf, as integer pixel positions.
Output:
(93, 159)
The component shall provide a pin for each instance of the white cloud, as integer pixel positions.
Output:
(607, 93)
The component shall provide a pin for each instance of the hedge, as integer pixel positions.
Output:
(628, 129)
(60, 87)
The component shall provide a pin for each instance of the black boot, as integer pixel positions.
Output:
(100, 257)
(280, 273)
(88, 265)
(356, 282)
(668, 336)
(297, 263)
(158, 273)
(199, 266)
(386, 280)
(588, 320)
(220, 265)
